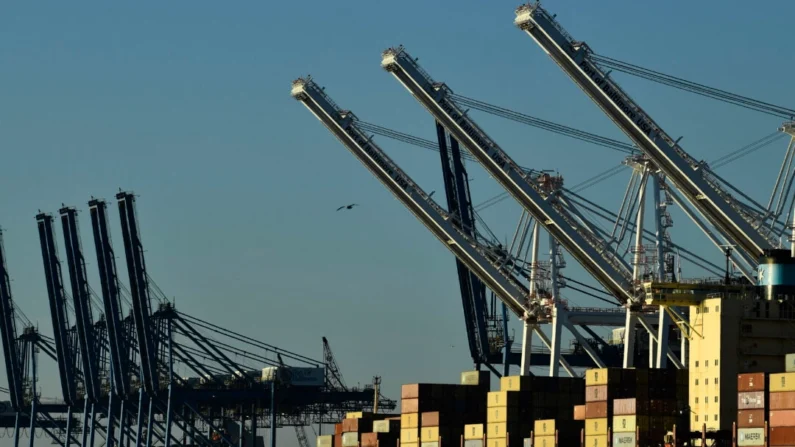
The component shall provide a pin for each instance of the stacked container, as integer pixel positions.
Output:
(752, 400)
(782, 409)
(552, 433)
(352, 430)
(474, 435)
(602, 386)
(325, 441)
(440, 429)
(386, 432)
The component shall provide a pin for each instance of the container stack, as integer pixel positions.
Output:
(474, 435)
(385, 432)
(782, 408)
(552, 433)
(752, 400)
(439, 430)
(325, 441)
(602, 386)
(352, 430)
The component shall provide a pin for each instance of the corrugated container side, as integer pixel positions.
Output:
(628, 423)
(409, 435)
(751, 382)
(596, 426)
(409, 406)
(527, 442)
(780, 436)
(624, 406)
(751, 419)
(516, 383)
(545, 441)
(579, 412)
(624, 439)
(782, 401)
(409, 420)
(595, 393)
(544, 427)
(473, 431)
(750, 437)
(473, 443)
(603, 376)
(387, 426)
(501, 414)
(482, 378)
(782, 382)
(782, 418)
(789, 363)
(595, 441)
(430, 444)
(505, 398)
(409, 444)
(595, 410)
(350, 439)
(338, 429)
(325, 441)
(754, 400)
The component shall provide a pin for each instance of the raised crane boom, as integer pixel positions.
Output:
(590, 250)
(343, 124)
(8, 330)
(686, 173)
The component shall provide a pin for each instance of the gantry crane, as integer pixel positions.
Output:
(736, 220)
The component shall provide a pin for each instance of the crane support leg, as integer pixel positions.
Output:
(543, 337)
(527, 344)
(558, 320)
(629, 339)
(662, 344)
(662, 338)
(585, 345)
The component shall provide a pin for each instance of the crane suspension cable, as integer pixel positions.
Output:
(693, 87)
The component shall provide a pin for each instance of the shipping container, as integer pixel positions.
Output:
(409, 435)
(579, 412)
(752, 382)
(624, 439)
(350, 440)
(782, 401)
(789, 365)
(625, 406)
(378, 439)
(544, 427)
(751, 419)
(474, 443)
(387, 426)
(750, 437)
(501, 414)
(426, 390)
(480, 378)
(596, 426)
(603, 376)
(628, 423)
(430, 434)
(781, 436)
(545, 441)
(325, 441)
(505, 398)
(595, 410)
(516, 383)
(409, 444)
(357, 425)
(512, 429)
(409, 420)
(782, 382)
(473, 431)
(754, 400)
(595, 393)
(595, 441)
(782, 418)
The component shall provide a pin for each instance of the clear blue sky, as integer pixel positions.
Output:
(187, 104)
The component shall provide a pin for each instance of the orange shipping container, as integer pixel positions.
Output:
(579, 412)
(595, 410)
(751, 382)
(338, 429)
(595, 393)
(409, 406)
(751, 419)
(781, 436)
(782, 401)
(782, 418)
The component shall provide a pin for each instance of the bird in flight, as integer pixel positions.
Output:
(348, 206)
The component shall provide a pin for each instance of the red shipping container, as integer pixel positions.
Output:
(751, 419)
(624, 407)
(782, 418)
(751, 382)
(596, 410)
(781, 436)
(338, 430)
(376, 439)
(596, 393)
(754, 400)
(782, 401)
(579, 412)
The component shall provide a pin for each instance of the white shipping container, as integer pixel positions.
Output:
(473, 443)
(790, 366)
(624, 440)
(307, 376)
(750, 437)
(527, 442)
(325, 441)
(350, 439)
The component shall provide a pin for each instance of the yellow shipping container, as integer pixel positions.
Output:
(782, 382)
(501, 414)
(497, 443)
(596, 426)
(409, 435)
(544, 427)
(496, 430)
(501, 399)
(409, 444)
(354, 415)
(599, 376)
(429, 434)
(473, 431)
(595, 441)
(410, 420)
(628, 423)
(516, 383)
(545, 441)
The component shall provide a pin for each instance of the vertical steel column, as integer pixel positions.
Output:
(140, 419)
(122, 420)
(110, 430)
(629, 339)
(631, 322)
(68, 427)
(506, 349)
(84, 428)
(33, 379)
(254, 426)
(170, 385)
(273, 413)
(16, 430)
(242, 427)
(557, 312)
(93, 425)
(663, 324)
(150, 421)
(527, 330)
